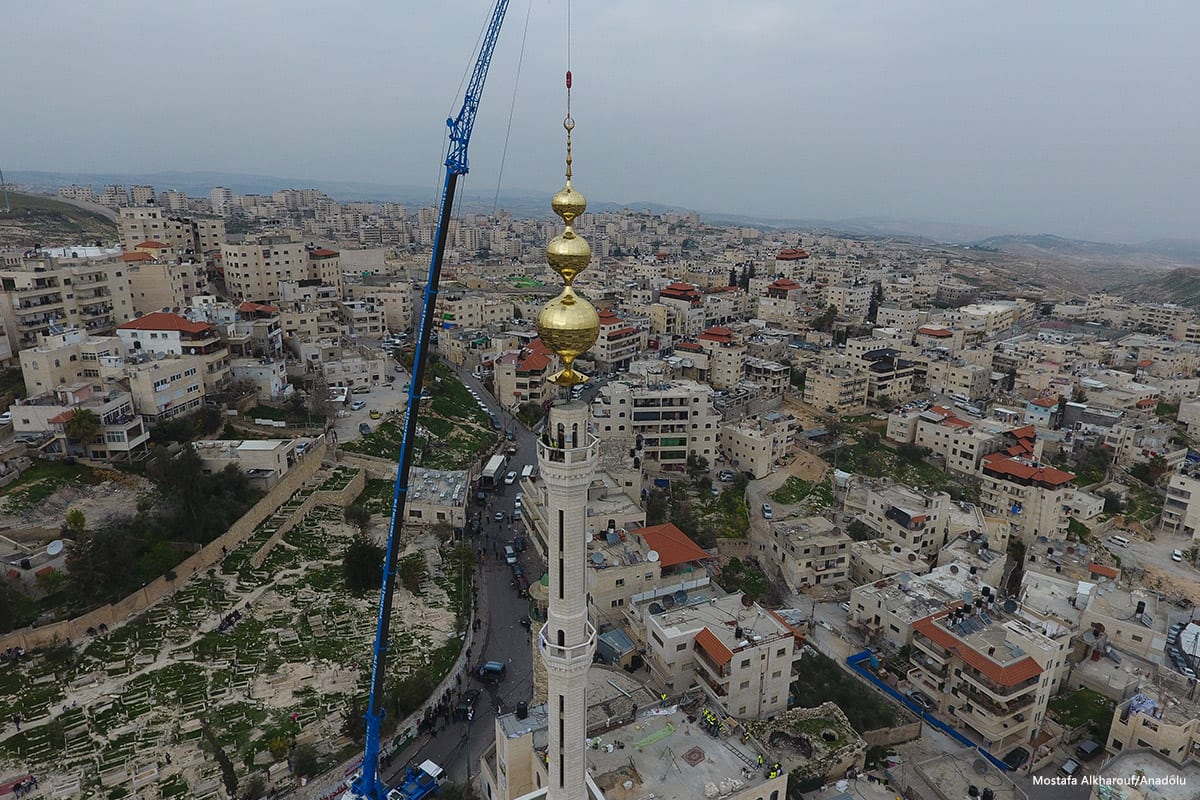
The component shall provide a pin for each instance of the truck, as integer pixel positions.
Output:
(421, 782)
(493, 472)
(527, 471)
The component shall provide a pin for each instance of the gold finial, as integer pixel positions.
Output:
(568, 324)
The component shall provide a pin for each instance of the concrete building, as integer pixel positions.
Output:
(884, 611)
(836, 387)
(902, 515)
(1032, 496)
(264, 461)
(255, 268)
(876, 559)
(758, 444)
(351, 366)
(171, 334)
(41, 420)
(1155, 718)
(164, 387)
(1132, 620)
(520, 377)
(664, 422)
(183, 236)
(457, 309)
(41, 292)
(67, 358)
(992, 672)
(437, 497)
(740, 656)
(807, 552)
(618, 342)
(1181, 508)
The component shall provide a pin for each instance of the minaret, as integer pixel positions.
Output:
(567, 455)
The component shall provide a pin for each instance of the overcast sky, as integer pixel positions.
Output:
(1073, 117)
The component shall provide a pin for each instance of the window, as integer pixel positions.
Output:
(620, 582)
(745, 663)
(679, 648)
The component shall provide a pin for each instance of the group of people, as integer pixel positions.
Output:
(710, 722)
(229, 620)
(25, 786)
(12, 654)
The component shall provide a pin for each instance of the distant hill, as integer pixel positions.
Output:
(1180, 286)
(1161, 253)
(50, 222)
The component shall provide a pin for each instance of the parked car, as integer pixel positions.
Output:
(844, 607)
(364, 428)
(924, 701)
(361, 390)
(523, 588)
(510, 555)
(375, 414)
(6, 418)
(492, 671)
(510, 479)
(767, 511)
(518, 544)
(1089, 749)
(1069, 768)
(499, 516)
(1016, 758)
(358, 405)
(1177, 555)
(726, 475)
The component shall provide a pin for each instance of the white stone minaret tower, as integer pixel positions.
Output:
(567, 455)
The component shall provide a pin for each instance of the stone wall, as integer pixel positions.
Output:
(116, 613)
(897, 735)
(340, 498)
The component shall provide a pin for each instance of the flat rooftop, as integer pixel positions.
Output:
(668, 756)
(1153, 765)
(952, 775)
(724, 617)
(808, 529)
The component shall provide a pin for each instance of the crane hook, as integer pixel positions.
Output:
(568, 79)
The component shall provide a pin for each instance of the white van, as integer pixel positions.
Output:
(527, 471)
(1119, 541)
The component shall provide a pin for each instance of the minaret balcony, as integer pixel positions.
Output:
(568, 451)
(571, 656)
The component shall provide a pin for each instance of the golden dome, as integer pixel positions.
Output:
(568, 254)
(568, 203)
(568, 325)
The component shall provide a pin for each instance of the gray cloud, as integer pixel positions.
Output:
(1070, 117)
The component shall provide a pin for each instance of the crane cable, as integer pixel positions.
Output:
(511, 110)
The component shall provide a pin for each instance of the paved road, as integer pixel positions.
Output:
(456, 745)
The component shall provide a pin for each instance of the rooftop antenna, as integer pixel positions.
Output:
(4, 186)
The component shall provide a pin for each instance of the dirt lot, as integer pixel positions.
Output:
(115, 497)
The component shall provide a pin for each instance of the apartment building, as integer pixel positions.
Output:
(1032, 496)
(1181, 508)
(837, 386)
(156, 285)
(1132, 620)
(876, 559)
(520, 377)
(1166, 722)
(263, 461)
(757, 444)
(961, 443)
(42, 418)
(905, 516)
(396, 302)
(625, 573)
(269, 376)
(164, 387)
(472, 310)
(250, 330)
(945, 374)
(68, 358)
(618, 342)
(885, 610)
(663, 422)
(181, 236)
(254, 269)
(992, 672)
(41, 292)
(807, 552)
(171, 334)
(1160, 318)
(890, 378)
(771, 377)
(740, 656)
(350, 366)
(362, 320)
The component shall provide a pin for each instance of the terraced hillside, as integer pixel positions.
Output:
(43, 220)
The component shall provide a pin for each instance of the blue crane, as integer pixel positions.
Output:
(368, 785)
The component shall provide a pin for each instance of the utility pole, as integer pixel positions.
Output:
(4, 186)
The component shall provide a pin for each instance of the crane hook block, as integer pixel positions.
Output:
(568, 79)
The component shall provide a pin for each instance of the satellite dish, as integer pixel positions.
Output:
(681, 597)
(667, 601)
(1010, 606)
(597, 558)
(652, 556)
(980, 766)
(747, 601)
(655, 608)
(54, 548)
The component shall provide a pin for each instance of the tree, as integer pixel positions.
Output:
(658, 506)
(17, 609)
(362, 565)
(825, 321)
(870, 440)
(358, 516)
(84, 427)
(876, 299)
(75, 521)
(530, 413)
(1078, 395)
(911, 453)
(412, 571)
(304, 761)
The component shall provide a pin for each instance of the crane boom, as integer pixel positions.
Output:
(368, 785)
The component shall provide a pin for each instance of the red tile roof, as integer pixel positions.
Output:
(322, 253)
(784, 284)
(1045, 402)
(164, 321)
(934, 330)
(1106, 571)
(1011, 675)
(673, 545)
(136, 256)
(1047, 476)
(1146, 402)
(707, 641)
(63, 418)
(538, 358)
(249, 308)
(152, 244)
(609, 317)
(690, 346)
(791, 254)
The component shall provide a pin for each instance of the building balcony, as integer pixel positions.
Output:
(577, 656)
(993, 690)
